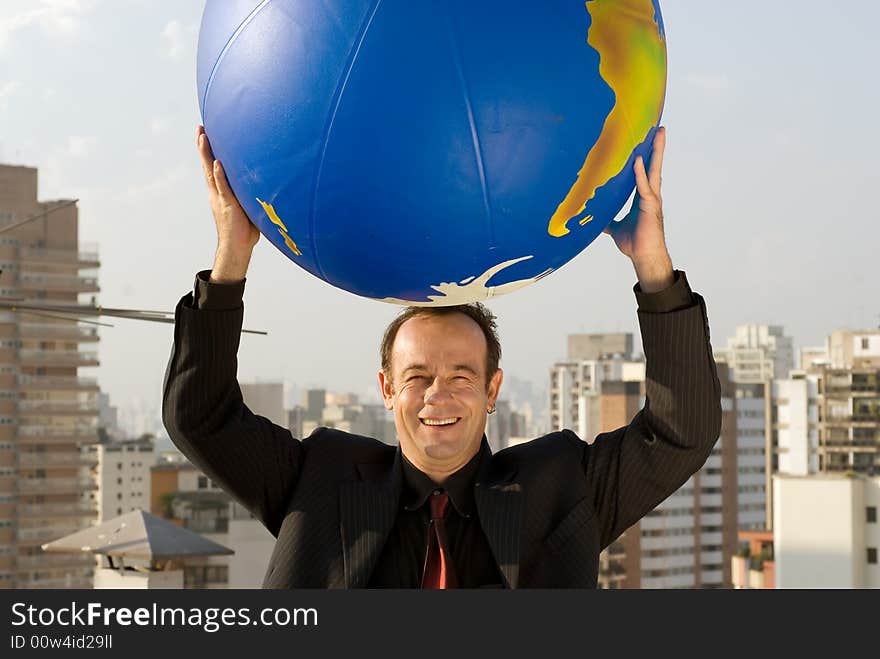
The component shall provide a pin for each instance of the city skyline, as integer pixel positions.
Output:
(762, 189)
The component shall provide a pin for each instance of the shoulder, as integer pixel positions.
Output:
(329, 442)
(560, 445)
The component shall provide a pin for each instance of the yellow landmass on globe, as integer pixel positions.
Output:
(632, 60)
(273, 216)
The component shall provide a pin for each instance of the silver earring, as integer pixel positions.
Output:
(491, 410)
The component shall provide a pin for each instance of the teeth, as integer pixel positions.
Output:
(439, 422)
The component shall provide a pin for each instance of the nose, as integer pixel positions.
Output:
(437, 393)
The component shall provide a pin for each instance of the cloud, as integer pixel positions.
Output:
(57, 18)
(80, 147)
(6, 92)
(177, 39)
(714, 83)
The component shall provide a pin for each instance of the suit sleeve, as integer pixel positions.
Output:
(251, 458)
(631, 470)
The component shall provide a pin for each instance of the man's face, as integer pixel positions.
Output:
(438, 390)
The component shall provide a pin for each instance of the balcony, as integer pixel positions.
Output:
(55, 485)
(29, 435)
(47, 561)
(861, 420)
(210, 525)
(37, 357)
(60, 408)
(56, 383)
(57, 282)
(43, 534)
(616, 550)
(58, 332)
(67, 581)
(41, 255)
(47, 510)
(57, 459)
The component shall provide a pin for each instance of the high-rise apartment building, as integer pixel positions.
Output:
(758, 353)
(48, 412)
(754, 455)
(828, 414)
(575, 383)
(124, 476)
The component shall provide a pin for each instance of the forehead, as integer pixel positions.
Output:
(438, 341)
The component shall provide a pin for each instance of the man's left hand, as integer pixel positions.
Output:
(639, 235)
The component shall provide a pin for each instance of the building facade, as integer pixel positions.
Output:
(758, 353)
(124, 476)
(48, 411)
(825, 531)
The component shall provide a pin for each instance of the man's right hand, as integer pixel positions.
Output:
(236, 235)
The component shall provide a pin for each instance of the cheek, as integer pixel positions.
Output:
(409, 396)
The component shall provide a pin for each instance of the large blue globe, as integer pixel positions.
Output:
(431, 151)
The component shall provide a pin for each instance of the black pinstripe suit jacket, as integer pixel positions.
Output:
(547, 507)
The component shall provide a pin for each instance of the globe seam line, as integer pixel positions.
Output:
(475, 138)
(328, 127)
(256, 10)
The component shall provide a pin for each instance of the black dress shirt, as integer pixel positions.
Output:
(403, 558)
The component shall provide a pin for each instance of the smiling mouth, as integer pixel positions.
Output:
(440, 422)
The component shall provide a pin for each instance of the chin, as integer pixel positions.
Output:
(445, 448)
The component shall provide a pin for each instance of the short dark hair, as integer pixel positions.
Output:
(475, 311)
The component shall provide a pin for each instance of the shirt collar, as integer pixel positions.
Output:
(460, 485)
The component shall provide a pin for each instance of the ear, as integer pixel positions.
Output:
(387, 389)
(495, 387)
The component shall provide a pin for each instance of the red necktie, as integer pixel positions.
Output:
(438, 571)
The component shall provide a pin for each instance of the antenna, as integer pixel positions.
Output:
(38, 215)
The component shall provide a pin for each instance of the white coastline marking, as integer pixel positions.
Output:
(471, 288)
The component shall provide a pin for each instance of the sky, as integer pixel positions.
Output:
(770, 187)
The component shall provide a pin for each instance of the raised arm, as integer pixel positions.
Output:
(254, 460)
(631, 470)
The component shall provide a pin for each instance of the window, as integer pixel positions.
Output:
(119, 496)
(872, 555)
(203, 482)
(119, 481)
(864, 343)
(119, 511)
(871, 514)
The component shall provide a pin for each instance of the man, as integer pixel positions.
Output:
(441, 510)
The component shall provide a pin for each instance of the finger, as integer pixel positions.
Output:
(223, 188)
(656, 167)
(207, 159)
(643, 187)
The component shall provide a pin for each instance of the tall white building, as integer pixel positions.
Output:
(825, 531)
(124, 477)
(796, 426)
(758, 353)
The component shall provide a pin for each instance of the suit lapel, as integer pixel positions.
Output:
(368, 509)
(499, 504)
